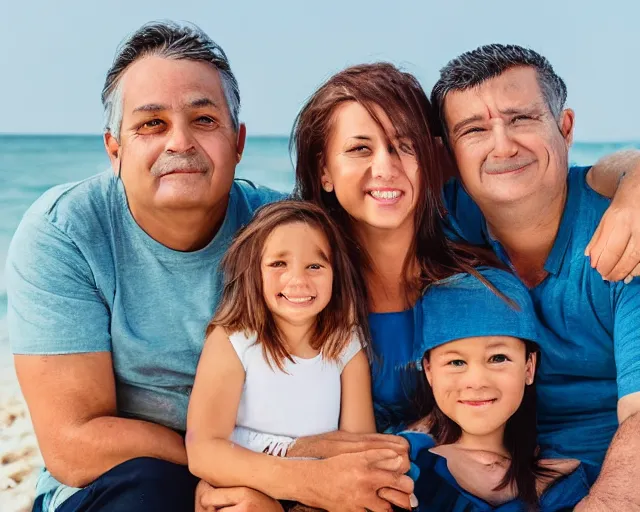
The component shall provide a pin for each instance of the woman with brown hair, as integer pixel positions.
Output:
(365, 153)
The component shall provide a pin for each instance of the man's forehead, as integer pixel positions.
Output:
(516, 88)
(171, 83)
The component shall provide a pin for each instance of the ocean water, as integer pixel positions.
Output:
(29, 165)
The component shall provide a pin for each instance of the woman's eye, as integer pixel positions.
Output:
(277, 264)
(457, 363)
(499, 358)
(406, 148)
(315, 266)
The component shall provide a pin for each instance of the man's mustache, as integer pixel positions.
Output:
(167, 164)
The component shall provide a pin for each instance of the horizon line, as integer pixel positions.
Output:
(270, 136)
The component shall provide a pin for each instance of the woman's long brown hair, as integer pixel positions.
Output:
(242, 306)
(400, 96)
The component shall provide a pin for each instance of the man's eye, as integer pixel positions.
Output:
(473, 130)
(152, 124)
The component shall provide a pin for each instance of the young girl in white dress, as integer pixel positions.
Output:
(283, 356)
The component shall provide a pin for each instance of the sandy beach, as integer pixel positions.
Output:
(20, 459)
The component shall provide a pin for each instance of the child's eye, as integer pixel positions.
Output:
(315, 266)
(499, 358)
(457, 363)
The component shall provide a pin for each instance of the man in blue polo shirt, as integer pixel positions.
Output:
(503, 117)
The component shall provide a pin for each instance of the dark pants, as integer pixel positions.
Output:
(138, 485)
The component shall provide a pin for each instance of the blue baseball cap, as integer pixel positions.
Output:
(462, 306)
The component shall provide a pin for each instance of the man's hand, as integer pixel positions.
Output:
(234, 499)
(614, 249)
(339, 442)
(351, 482)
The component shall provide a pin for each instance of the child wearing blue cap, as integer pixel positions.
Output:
(477, 448)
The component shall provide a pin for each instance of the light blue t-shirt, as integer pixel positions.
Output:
(593, 357)
(82, 276)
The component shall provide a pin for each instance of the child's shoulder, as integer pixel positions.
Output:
(242, 338)
(242, 342)
(354, 346)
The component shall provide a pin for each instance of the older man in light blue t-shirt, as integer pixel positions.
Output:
(112, 281)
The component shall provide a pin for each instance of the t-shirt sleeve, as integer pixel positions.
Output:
(626, 337)
(54, 305)
(241, 344)
(354, 346)
(464, 220)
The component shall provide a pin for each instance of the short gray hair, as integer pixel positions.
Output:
(477, 66)
(171, 41)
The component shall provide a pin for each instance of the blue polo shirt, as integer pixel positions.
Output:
(593, 354)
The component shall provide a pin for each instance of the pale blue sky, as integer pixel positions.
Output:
(55, 54)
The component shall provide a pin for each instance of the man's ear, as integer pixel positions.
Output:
(242, 139)
(113, 151)
(567, 123)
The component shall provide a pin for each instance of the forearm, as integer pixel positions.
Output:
(617, 486)
(225, 464)
(89, 450)
(605, 177)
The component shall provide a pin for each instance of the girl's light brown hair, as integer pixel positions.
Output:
(400, 96)
(243, 308)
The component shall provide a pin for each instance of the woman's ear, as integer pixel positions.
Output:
(325, 179)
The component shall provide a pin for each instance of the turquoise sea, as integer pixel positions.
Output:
(29, 165)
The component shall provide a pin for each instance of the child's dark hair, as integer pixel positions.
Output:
(520, 436)
(242, 307)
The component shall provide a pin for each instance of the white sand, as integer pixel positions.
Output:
(20, 459)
